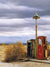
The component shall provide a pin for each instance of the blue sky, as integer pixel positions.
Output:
(16, 22)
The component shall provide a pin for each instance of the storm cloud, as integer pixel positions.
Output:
(23, 8)
(16, 17)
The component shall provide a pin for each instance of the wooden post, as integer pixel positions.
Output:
(36, 17)
(36, 30)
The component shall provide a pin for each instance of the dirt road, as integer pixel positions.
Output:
(24, 64)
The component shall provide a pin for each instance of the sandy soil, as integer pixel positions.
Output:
(24, 64)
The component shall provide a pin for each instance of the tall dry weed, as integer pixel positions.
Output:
(15, 51)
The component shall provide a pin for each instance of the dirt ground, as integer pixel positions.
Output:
(24, 64)
(20, 64)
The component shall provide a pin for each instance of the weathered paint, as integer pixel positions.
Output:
(33, 40)
(42, 47)
(29, 48)
(46, 53)
(35, 49)
(40, 52)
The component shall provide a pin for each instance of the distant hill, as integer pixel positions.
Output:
(15, 43)
(25, 43)
(48, 43)
(11, 43)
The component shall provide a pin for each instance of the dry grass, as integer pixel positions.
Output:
(13, 52)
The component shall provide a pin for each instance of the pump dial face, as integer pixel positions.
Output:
(40, 42)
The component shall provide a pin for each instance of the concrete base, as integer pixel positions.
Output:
(39, 61)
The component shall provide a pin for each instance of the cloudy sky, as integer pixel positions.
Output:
(16, 22)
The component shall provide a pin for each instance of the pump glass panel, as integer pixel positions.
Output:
(39, 41)
(44, 40)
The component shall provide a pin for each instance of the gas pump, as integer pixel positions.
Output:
(42, 47)
(31, 48)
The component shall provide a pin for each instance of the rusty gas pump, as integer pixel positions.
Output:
(31, 48)
(42, 47)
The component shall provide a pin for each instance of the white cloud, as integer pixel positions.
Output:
(22, 23)
(46, 18)
(11, 21)
(28, 30)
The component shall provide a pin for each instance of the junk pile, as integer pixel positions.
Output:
(37, 48)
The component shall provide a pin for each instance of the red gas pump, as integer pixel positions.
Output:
(42, 47)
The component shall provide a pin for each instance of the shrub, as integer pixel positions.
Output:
(14, 52)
